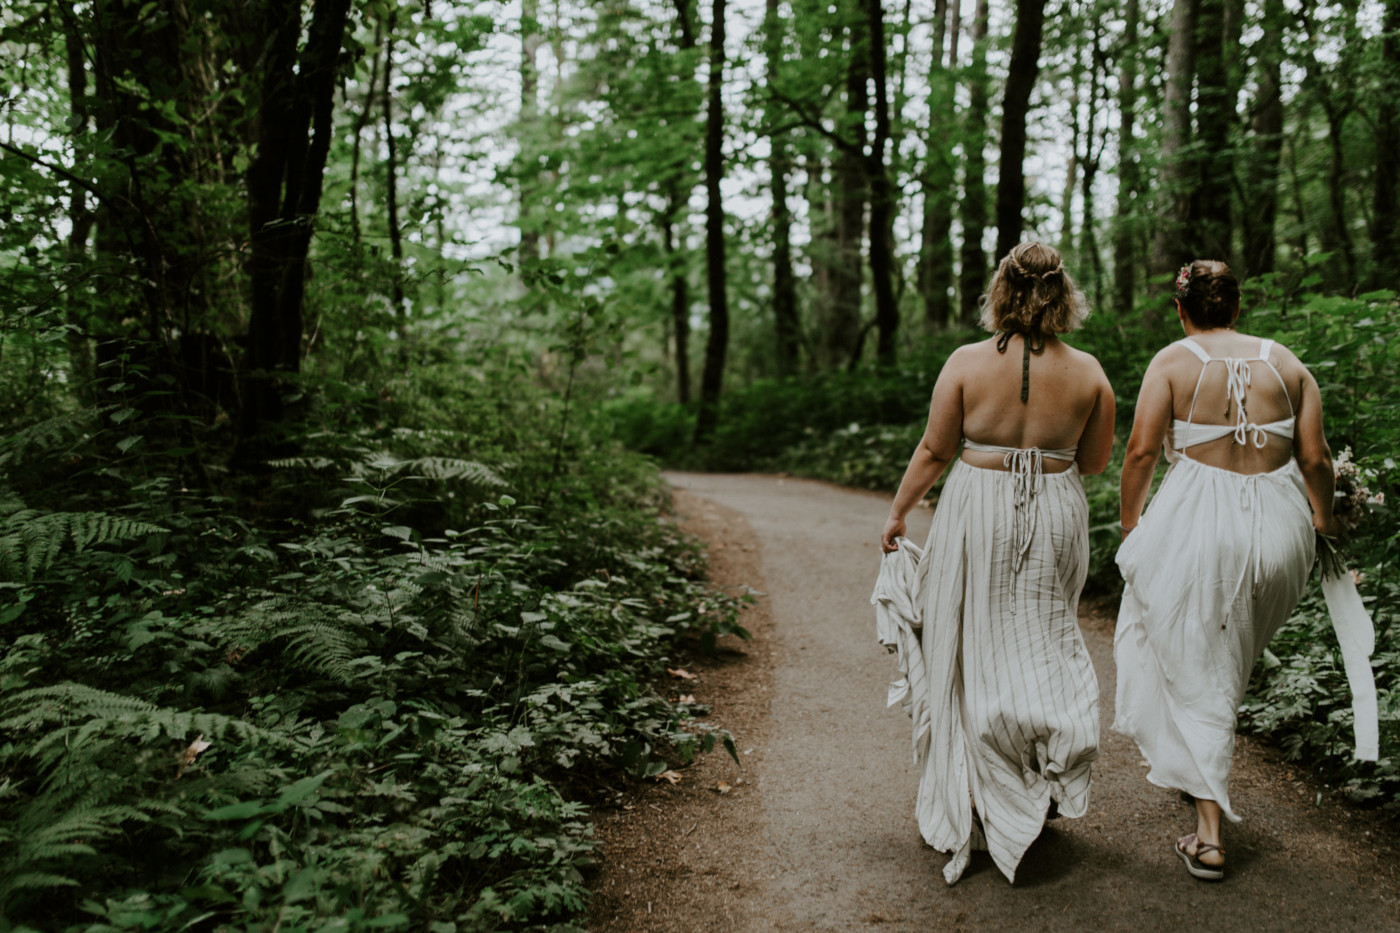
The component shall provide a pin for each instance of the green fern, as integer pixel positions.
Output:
(448, 468)
(30, 541)
(435, 468)
(41, 837)
(312, 636)
(54, 436)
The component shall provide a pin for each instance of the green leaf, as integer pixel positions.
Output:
(242, 810)
(299, 791)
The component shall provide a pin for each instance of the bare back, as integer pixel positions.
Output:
(1064, 408)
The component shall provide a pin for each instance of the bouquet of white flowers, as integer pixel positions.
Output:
(1352, 502)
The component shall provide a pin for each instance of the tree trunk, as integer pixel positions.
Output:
(1261, 183)
(361, 122)
(530, 41)
(1385, 212)
(1020, 81)
(1071, 165)
(293, 131)
(881, 198)
(391, 190)
(717, 342)
(678, 186)
(680, 293)
(1124, 242)
(842, 327)
(954, 35)
(80, 218)
(1336, 106)
(1211, 223)
(935, 274)
(1090, 161)
(1169, 246)
(973, 275)
(787, 332)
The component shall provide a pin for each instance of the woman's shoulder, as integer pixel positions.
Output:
(1280, 353)
(1083, 359)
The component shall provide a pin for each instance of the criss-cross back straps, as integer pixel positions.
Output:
(1237, 382)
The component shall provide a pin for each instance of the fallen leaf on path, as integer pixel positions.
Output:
(722, 787)
(680, 672)
(670, 777)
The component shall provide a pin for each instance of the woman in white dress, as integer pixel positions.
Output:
(1004, 698)
(1218, 562)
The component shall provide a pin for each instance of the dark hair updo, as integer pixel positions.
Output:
(1032, 294)
(1209, 293)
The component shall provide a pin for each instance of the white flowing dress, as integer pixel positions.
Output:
(1215, 566)
(997, 677)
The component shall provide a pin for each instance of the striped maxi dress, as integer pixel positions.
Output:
(996, 674)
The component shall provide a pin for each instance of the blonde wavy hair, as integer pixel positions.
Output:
(1032, 294)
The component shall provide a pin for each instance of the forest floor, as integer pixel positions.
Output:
(817, 832)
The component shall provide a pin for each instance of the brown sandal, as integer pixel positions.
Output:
(1194, 865)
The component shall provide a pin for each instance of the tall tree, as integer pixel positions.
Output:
(1385, 200)
(973, 274)
(293, 135)
(717, 343)
(882, 195)
(80, 216)
(1124, 242)
(1020, 81)
(1092, 157)
(531, 39)
(391, 188)
(677, 186)
(1211, 224)
(935, 272)
(1261, 183)
(842, 330)
(1327, 79)
(1169, 247)
(787, 332)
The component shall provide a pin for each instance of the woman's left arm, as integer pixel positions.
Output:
(936, 449)
(1096, 443)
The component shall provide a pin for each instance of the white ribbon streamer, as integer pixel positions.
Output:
(1357, 638)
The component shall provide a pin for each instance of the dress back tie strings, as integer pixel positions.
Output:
(1236, 384)
(1027, 478)
(1027, 468)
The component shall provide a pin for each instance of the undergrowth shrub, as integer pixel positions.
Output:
(374, 690)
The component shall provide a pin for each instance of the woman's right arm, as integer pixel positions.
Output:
(936, 449)
(1151, 420)
(1314, 456)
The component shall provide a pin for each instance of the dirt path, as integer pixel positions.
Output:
(820, 834)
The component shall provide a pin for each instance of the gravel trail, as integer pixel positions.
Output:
(820, 834)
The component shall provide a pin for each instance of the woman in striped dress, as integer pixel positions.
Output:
(1004, 697)
(1251, 478)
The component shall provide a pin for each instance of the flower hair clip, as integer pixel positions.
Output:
(1183, 280)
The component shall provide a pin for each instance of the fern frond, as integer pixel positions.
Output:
(445, 468)
(70, 716)
(30, 540)
(302, 463)
(56, 435)
(321, 638)
(37, 879)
